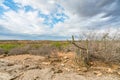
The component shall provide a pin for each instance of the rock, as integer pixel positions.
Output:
(13, 68)
(66, 57)
(78, 69)
(37, 74)
(118, 67)
(5, 76)
(33, 67)
(84, 69)
(58, 71)
(46, 63)
(67, 69)
(6, 62)
(109, 70)
(118, 72)
(63, 65)
(65, 61)
(97, 73)
(69, 76)
(81, 73)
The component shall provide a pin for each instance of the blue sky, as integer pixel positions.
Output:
(57, 19)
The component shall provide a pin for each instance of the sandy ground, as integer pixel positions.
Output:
(31, 67)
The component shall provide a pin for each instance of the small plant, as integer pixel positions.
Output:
(82, 54)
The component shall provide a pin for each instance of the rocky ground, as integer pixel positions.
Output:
(30, 67)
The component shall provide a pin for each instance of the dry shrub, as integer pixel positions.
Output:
(106, 48)
(2, 51)
(43, 51)
(94, 47)
(19, 50)
(108, 52)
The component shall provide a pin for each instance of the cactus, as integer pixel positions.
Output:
(82, 54)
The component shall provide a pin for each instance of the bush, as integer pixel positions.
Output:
(108, 52)
(91, 48)
(20, 50)
(43, 51)
(2, 51)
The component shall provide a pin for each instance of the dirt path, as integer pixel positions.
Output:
(29, 67)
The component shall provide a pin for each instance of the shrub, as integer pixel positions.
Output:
(104, 48)
(19, 50)
(108, 52)
(43, 51)
(2, 51)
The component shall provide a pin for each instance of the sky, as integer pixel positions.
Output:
(57, 19)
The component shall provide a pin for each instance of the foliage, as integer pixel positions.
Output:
(8, 47)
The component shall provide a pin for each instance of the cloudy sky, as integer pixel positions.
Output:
(56, 19)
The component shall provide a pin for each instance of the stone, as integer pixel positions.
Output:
(66, 57)
(118, 72)
(67, 69)
(58, 71)
(5, 76)
(37, 74)
(63, 65)
(46, 63)
(97, 73)
(109, 70)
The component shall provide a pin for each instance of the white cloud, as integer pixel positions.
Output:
(84, 15)
(30, 23)
(22, 22)
(46, 6)
(88, 8)
(76, 25)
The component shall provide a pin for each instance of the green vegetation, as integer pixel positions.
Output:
(36, 46)
(7, 47)
(60, 44)
(56, 44)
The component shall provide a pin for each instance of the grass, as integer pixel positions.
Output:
(60, 44)
(36, 46)
(8, 47)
